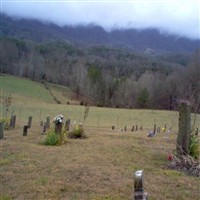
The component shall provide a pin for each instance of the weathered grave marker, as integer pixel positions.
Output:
(48, 122)
(165, 127)
(29, 122)
(113, 127)
(58, 121)
(1, 131)
(196, 132)
(58, 128)
(12, 121)
(125, 128)
(44, 129)
(25, 130)
(139, 193)
(154, 129)
(136, 127)
(41, 123)
(184, 128)
(133, 128)
(67, 125)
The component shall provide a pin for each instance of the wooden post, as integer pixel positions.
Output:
(183, 139)
(58, 128)
(139, 193)
(136, 127)
(1, 131)
(133, 127)
(25, 130)
(67, 125)
(48, 122)
(29, 122)
(113, 127)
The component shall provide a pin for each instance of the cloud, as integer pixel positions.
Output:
(177, 17)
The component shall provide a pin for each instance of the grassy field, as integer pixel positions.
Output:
(100, 167)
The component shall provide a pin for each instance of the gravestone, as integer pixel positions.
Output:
(67, 125)
(1, 131)
(184, 128)
(58, 128)
(12, 121)
(48, 122)
(25, 130)
(44, 129)
(154, 129)
(125, 128)
(139, 193)
(29, 122)
(41, 123)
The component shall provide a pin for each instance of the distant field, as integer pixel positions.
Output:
(99, 167)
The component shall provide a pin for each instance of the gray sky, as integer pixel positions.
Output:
(180, 17)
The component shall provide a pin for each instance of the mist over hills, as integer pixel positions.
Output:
(132, 39)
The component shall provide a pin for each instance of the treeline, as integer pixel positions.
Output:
(105, 76)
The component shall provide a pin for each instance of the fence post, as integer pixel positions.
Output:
(183, 138)
(1, 131)
(29, 122)
(139, 193)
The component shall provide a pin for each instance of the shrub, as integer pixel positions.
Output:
(51, 138)
(78, 132)
(194, 146)
(6, 123)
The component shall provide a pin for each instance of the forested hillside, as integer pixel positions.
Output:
(102, 75)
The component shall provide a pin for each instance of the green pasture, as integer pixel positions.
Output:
(31, 98)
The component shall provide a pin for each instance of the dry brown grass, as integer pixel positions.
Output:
(99, 167)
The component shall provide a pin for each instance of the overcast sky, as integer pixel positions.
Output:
(180, 17)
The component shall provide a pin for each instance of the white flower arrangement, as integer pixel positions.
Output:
(58, 119)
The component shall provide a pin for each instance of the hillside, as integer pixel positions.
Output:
(138, 40)
(121, 68)
(25, 91)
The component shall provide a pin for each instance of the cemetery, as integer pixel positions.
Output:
(98, 153)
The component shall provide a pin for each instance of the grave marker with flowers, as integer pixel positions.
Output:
(58, 121)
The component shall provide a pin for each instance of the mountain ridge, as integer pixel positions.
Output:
(90, 35)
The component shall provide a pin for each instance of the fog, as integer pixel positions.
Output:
(181, 17)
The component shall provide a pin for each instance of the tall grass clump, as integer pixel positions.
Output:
(77, 132)
(6, 123)
(52, 138)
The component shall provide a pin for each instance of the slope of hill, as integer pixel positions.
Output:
(23, 90)
(133, 39)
